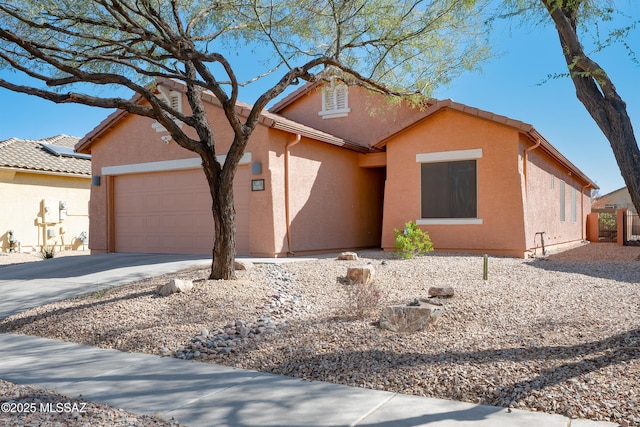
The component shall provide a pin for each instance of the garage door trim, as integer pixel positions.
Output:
(166, 165)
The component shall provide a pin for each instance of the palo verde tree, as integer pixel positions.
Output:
(574, 21)
(72, 48)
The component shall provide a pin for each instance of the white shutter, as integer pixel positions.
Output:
(341, 93)
(174, 99)
(328, 93)
(335, 101)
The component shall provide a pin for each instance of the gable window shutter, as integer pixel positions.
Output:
(340, 94)
(335, 101)
(174, 99)
(175, 103)
(329, 99)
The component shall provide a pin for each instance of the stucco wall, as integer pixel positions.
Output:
(542, 194)
(22, 210)
(371, 115)
(334, 204)
(500, 203)
(130, 141)
(330, 195)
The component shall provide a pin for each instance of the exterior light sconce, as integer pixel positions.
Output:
(95, 180)
(257, 185)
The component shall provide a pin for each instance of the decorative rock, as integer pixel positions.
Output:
(348, 256)
(223, 340)
(444, 292)
(432, 300)
(403, 318)
(244, 332)
(362, 275)
(174, 286)
(241, 264)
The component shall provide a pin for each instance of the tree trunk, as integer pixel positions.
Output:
(224, 217)
(598, 94)
(616, 126)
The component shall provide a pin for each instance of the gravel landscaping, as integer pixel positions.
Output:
(31, 407)
(559, 334)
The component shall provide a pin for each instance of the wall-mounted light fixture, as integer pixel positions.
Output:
(257, 185)
(95, 180)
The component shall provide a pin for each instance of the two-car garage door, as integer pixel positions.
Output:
(170, 212)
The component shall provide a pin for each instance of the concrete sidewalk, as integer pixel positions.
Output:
(201, 394)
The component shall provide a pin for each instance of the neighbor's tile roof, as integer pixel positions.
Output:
(31, 155)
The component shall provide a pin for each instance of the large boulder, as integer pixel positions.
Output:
(364, 275)
(174, 286)
(409, 318)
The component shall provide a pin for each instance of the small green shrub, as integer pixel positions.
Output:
(47, 252)
(412, 241)
(100, 293)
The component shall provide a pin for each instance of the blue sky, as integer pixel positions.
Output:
(514, 84)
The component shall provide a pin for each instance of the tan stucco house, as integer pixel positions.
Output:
(324, 171)
(45, 188)
(618, 199)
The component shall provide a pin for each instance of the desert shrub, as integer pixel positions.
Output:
(412, 241)
(47, 252)
(607, 220)
(363, 298)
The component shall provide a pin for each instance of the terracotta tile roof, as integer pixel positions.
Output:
(522, 127)
(33, 155)
(267, 118)
(271, 119)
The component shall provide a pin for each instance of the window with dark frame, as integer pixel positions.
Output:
(449, 189)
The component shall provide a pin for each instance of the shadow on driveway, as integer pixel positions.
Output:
(32, 284)
(77, 266)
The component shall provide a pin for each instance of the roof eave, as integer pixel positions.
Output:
(317, 135)
(294, 96)
(552, 151)
(521, 126)
(46, 172)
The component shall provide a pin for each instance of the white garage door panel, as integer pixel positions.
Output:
(170, 212)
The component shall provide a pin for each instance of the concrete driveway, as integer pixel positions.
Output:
(32, 284)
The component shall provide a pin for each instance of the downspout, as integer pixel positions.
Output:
(287, 208)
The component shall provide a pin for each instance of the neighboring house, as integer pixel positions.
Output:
(618, 199)
(45, 190)
(324, 171)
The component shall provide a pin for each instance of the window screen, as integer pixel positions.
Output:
(449, 189)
